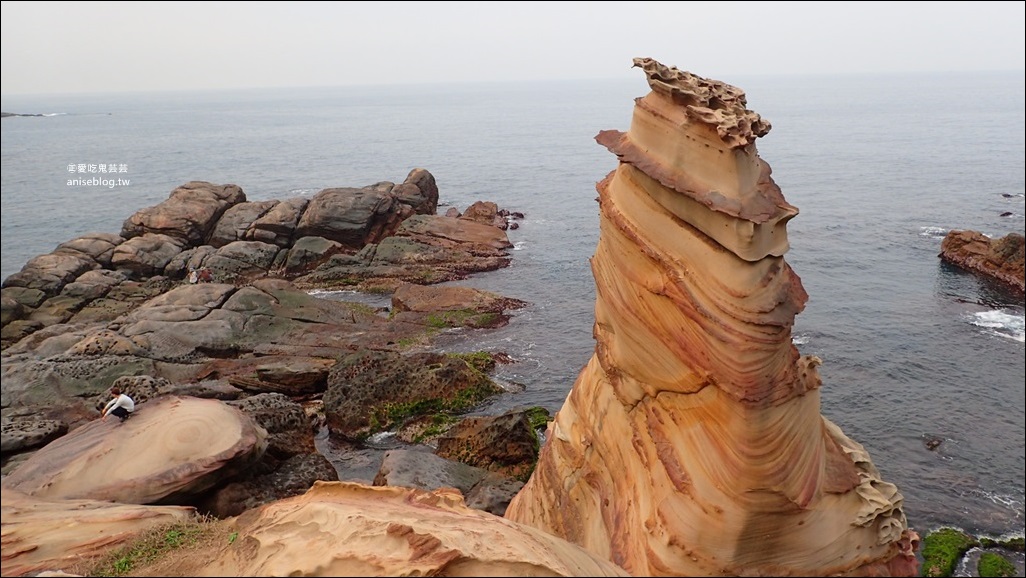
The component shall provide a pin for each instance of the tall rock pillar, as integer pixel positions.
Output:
(692, 443)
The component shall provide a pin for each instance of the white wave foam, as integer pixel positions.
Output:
(1001, 323)
(54, 114)
(799, 339)
(303, 192)
(329, 292)
(933, 232)
(382, 440)
(1004, 500)
(518, 245)
(316, 292)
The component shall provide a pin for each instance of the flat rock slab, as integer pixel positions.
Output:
(169, 447)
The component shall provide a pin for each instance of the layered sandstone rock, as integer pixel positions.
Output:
(692, 442)
(41, 534)
(347, 529)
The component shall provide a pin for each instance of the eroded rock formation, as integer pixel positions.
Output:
(41, 534)
(692, 442)
(346, 529)
(999, 258)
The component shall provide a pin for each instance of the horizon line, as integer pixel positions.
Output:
(488, 82)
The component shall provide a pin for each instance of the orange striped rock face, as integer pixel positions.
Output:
(349, 529)
(692, 443)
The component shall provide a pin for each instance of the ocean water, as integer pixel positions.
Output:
(881, 167)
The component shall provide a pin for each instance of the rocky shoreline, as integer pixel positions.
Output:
(256, 352)
(692, 443)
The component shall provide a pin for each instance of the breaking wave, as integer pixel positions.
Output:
(1001, 323)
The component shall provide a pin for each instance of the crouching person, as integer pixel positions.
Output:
(120, 405)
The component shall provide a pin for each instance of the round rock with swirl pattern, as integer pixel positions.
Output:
(169, 448)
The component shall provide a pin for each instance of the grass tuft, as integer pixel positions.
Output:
(149, 547)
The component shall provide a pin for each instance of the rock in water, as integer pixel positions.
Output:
(692, 442)
(999, 258)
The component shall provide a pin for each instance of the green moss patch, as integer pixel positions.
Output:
(461, 318)
(1015, 544)
(389, 415)
(992, 565)
(479, 360)
(539, 417)
(942, 549)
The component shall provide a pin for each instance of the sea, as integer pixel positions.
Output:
(880, 167)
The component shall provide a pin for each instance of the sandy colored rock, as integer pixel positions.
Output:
(455, 230)
(146, 255)
(168, 448)
(97, 246)
(692, 442)
(49, 273)
(348, 529)
(696, 138)
(41, 534)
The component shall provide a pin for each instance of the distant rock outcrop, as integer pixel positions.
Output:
(1000, 258)
(378, 236)
(188, 215)
(692, 443)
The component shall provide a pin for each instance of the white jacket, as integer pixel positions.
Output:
(121, 400)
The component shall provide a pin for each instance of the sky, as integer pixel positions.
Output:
(75, 47)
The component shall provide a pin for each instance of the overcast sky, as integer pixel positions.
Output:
(53, 47)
